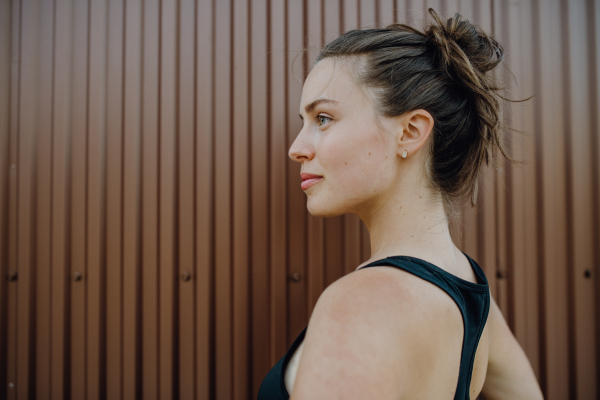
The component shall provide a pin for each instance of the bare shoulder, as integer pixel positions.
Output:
(377, 333)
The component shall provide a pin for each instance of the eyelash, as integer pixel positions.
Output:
(322, 116)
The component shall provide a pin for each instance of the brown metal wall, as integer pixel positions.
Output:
(153, 235)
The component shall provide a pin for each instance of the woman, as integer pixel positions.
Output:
(397, 127)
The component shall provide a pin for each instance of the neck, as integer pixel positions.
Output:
(409, 223)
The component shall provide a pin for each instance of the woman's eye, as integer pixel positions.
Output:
(322, 117)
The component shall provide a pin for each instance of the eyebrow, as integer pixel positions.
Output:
(311, 106)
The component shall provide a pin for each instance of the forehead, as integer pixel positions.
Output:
(330, 79)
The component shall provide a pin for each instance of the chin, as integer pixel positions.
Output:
(319, 207)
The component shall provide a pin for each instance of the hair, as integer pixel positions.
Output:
(442, 70)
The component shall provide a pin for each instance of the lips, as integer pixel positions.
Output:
(309, 180)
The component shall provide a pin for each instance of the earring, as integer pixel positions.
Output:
(404, 154)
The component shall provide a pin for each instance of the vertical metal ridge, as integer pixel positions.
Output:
(16, 43)
(5, 15)
(96, 197)
(17, 131)
(250, 208)
(176, 306)
(139, 276)
(104, 227)
(51, 255)
(231, 194)
(195, 199)
(213, 296)
(158, 196)
(286, 195)
(122, 200)
(592, 49)
(538, 200)
(269, 99)
(194, 322)
(566, 85)
(323, 23)
(341, 15)
(86, 201)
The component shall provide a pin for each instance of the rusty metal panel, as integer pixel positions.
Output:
(160, 245)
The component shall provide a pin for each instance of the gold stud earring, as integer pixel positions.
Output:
(404, 154)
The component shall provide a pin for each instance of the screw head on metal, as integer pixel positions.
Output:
(296, 277)
(77, 276)
(186, 276)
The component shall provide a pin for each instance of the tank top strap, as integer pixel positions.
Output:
(472, 299)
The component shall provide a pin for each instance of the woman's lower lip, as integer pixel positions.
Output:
(309, 182)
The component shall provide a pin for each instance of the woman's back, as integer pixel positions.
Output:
(443, 299)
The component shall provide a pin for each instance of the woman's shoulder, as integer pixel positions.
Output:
(386, 291)
(377, 317)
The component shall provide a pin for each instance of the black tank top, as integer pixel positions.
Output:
(473, 300)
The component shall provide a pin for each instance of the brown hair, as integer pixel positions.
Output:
(443, 71)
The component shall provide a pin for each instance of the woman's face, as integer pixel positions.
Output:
(342, 141)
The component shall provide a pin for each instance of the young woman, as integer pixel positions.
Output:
(397, 127)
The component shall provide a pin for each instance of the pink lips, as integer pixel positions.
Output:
(309, 179)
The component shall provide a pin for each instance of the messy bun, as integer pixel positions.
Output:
(443, 70)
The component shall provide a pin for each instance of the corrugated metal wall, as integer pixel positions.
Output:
(153, 235)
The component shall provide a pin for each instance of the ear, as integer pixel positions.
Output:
(416, 126)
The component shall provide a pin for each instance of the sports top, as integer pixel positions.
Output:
(473, 300)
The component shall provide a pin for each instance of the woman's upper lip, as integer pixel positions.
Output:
(306, 175)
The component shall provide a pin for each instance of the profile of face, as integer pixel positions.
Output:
(355, 150)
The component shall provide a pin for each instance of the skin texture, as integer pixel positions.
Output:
(402, 336)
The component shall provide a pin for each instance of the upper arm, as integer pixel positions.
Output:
(361, 339)
(509, 373)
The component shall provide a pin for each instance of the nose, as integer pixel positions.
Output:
(301, 150)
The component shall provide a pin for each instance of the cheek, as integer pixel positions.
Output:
(358, 162)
